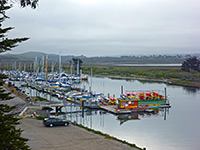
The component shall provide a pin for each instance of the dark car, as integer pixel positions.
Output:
(55, 122)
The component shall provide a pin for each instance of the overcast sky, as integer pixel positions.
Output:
(108, 27)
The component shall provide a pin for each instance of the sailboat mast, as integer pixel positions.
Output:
(71, 68)
(46, 68)
(78, 68)
(15, 66)
(24, 67)
(60, 67)
(52, 66)
(19, 69)
(42, 64)
(35, 64)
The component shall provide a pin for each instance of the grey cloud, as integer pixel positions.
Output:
(108, 27)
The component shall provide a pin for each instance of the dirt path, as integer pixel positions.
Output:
(66, 138)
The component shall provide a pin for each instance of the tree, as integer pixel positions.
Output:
(3, 95)
(23, 3)
(10, 137)
(75, 61)
(5, 43)
(192, 63)
(32, 3)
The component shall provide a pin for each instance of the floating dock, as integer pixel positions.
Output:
(112, 109)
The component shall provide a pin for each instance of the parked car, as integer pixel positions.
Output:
(55, 122)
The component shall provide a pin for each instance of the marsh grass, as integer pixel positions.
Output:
(173, 75)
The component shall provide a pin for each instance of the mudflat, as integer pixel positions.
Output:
(64, 138)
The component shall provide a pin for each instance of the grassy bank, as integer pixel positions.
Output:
(170, 75)
(109, 137)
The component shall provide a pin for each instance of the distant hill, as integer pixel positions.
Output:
(13, 58)
(152, 59)
(32, 54)
(161, 59)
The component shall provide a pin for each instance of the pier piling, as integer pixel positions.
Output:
(122, 90)
(165, 94)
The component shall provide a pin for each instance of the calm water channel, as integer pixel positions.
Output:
(176, 128)
(180, 130)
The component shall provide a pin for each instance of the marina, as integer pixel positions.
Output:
(129, 126)
(66, 90)
(103, 75)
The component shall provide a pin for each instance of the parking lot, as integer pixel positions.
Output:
(63, 138)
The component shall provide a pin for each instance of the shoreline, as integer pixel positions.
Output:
(167, 81)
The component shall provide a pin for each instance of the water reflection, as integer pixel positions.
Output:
(90, 117)
(139, 115)
(149, 81)
(191, 90)
(143, 81)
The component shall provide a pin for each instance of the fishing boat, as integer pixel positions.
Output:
(84, 77)
(131, 104)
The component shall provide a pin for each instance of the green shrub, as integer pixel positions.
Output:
(40, 99)
(40, 118)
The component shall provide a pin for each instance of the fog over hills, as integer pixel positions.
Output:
(102, 60)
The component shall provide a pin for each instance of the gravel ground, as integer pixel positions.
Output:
(66, 138)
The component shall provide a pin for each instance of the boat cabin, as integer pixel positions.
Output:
(127, 104)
